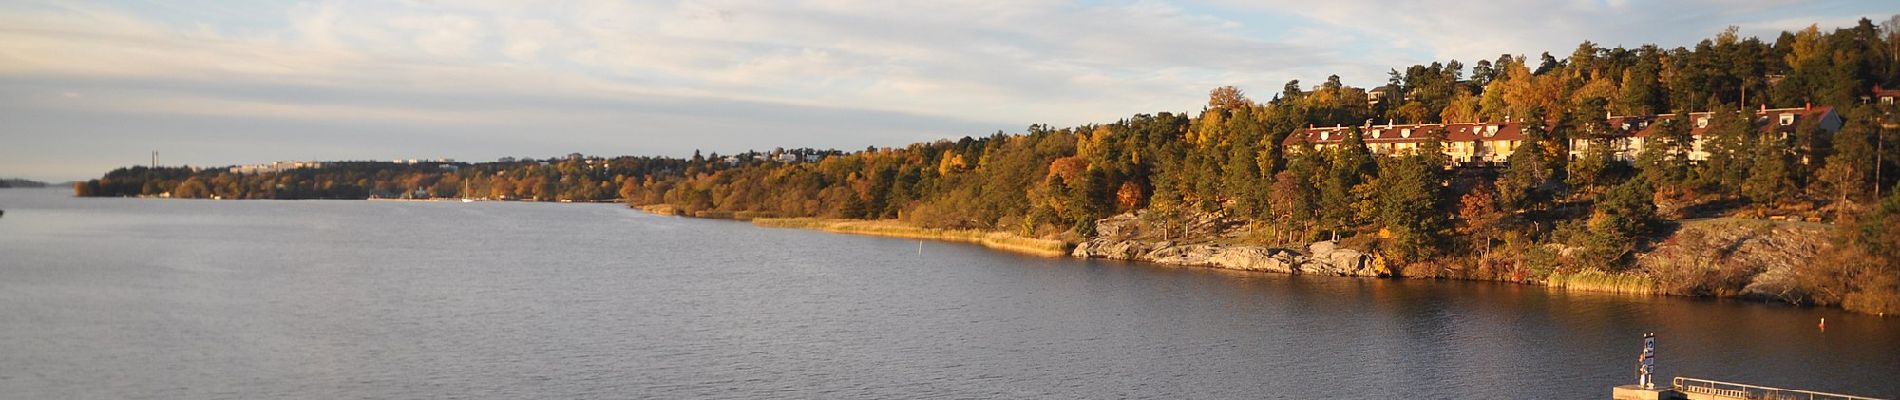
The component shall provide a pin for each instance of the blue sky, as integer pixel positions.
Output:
(86, 86)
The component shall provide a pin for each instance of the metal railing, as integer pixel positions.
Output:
(1746, 391)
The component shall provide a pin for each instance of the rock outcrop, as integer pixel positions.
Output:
(1131, 237)
(1755, 259)
(1325, 258)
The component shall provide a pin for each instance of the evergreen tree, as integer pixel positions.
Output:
(1349, 164)
(1848, 172)
(1728, 138)
(1408, 192)
(1521, 186)
(1769, 179)
(1622, 216)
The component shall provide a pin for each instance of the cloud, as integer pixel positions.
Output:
(836, 72)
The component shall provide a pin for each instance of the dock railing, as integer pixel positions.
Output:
(1746, 391)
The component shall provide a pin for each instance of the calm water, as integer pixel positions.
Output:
(124, 298)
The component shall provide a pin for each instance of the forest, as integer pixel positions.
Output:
(1541, 213)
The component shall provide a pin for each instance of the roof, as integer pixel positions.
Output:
(1881, 92)
(1762, 118)
(1409, 133)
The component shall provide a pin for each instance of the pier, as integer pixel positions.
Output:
(1686, 388)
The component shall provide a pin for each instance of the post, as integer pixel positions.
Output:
(1646, 366)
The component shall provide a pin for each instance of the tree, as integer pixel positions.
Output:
(1129, 197)
(1520, 187)
(1848, 172)
(1408, 191)
(1479, 217)
(1227, 98)
(1769, 179)
(1665, 161)
(1621, 217)
(1594, 170)
(192, 189)
(1641, 93)
(1729, 138)
(1348, 165)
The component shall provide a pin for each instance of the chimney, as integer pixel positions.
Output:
(1810, 105)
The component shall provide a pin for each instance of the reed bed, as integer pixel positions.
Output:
(891, 228)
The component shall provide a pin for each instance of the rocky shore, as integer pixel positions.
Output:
(1752, 259)
(1741, 258)
(1321, 258)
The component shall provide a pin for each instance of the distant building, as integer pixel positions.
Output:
(275, 167)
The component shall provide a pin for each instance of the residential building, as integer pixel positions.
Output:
(1491, 143)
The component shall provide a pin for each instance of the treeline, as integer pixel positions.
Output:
(575, 177)
(1544, 213)
(21, 183)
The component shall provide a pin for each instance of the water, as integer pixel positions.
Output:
(127, 298)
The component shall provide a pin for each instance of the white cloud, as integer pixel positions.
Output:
(1007, 62)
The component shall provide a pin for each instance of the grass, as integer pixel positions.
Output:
(892, 228)
(661, 209)
(1599, 281)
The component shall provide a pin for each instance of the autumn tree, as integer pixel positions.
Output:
(1479, 217)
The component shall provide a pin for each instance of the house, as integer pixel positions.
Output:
(1885, 97)
(1777, 120)
(1491, 143)
(1465, 143)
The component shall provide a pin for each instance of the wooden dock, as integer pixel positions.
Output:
(1686, 388)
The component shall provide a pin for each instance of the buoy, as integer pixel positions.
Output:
(1824, 324)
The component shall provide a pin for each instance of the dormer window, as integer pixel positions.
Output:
(1490, 130)
(1378, 133)
(1325, 135)
(1702, 122)
(1787, 119)
(1405, 133)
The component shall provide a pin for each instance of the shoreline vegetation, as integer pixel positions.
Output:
(1750, 167)
(889, 228)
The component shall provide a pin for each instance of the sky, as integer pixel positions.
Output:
(87, 86)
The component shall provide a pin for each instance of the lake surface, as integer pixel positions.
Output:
(129, 298)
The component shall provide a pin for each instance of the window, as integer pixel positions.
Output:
(1324, 135)
(1702, 122)
(1405, 133)
(1787, 119)
(1490, 130)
